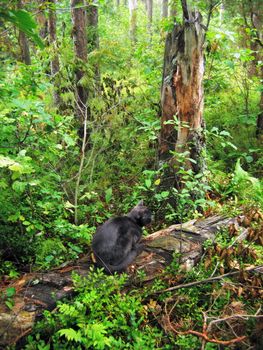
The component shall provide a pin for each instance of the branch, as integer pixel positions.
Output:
(212, 5)
(208, 280)
(204, 334)
(206, 337)
(185, 9)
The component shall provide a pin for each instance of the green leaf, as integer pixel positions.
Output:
(19, 186)
(16, 167)
(108, 195)
(70, 334)
(164, 194)
(69, 140)
(10, 292)
(23, 21)
(148, 183)
(49, 258)
(9, 304)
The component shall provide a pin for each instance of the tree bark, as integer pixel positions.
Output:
(42, 19)
(54, 64)
(253, 21)
(133, 19)
(172, 10)
(165, 8)
(93, 34)
(149, 8)
(23, 42)
(182, 93)
(259, 128)
(79, 22)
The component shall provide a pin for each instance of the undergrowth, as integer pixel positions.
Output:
(108, 312)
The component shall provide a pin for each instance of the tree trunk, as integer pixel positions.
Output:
(172, 10)
(79, 22)
(23, 42)
(182, 94)
(42, 19)
(253, 20)
(165, 8)
(259, 130)
(149, 8)
(54, 64)
(256, 43)
(133, 19)
(93, 34)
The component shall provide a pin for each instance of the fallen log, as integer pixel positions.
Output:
(36, 292)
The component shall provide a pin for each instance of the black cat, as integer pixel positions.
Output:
(116, 243)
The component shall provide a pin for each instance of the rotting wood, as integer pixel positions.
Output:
(36, 292)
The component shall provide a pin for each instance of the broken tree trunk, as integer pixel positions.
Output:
(36, 292)
(182, 124)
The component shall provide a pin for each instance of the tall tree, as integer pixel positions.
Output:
(133, 19)
(164, 8)
(182, 94)
(93, 34)
(42, 19)
(251, 13)
(79, 25)
(23, 42)
(149, 8)
(54, 64)
(79, 21)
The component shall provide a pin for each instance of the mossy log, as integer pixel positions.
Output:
(36, 292)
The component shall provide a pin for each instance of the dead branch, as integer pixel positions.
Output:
(205, 337)
(208, 280)
(204, 334)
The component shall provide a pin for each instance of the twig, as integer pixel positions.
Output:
(84, 140)
(204, 334)
(208, 280)
(206, 337)
(240, 237)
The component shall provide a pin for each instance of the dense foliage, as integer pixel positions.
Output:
(41, 175)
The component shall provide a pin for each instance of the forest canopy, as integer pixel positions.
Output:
(105, 103)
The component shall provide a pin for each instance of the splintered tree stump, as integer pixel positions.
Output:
(36, 292)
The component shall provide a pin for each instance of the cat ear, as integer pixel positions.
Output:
(140, 204)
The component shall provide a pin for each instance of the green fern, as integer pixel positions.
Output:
(246, 186)
(71, 335)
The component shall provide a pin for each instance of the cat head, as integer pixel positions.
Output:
(141, 214)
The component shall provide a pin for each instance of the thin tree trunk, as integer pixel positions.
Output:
(133, 19)
(259, 129)
(172, 10)
(165, 8)
(150, 16)
(79, 22)
(182, 94)
(54, 64)
(42, 19)
(253, 39)
(23, 42)
(93, 34)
